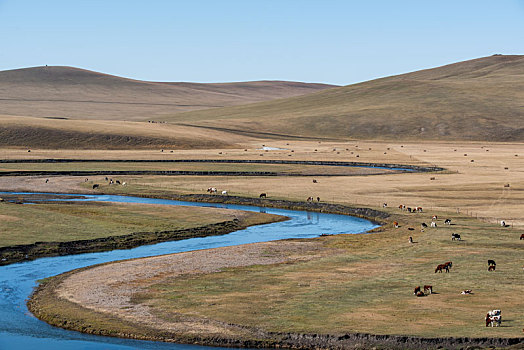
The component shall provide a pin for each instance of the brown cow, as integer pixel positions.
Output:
(428, 288)
(522, 236)
(417, 289)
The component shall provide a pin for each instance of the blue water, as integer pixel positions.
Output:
(20, 330)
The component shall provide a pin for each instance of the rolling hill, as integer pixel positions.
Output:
(480, 99)
(82, 94)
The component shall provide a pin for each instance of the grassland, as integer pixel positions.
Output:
(66, 222)
(339, 284)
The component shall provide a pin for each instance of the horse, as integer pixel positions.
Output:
(449, 264)
(263, 195)
(442, 267)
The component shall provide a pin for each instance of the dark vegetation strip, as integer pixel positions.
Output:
(231, 161)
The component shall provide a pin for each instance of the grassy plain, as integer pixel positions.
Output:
(59, 222)
(365, 282)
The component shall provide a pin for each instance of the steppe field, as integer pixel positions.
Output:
(324, 289)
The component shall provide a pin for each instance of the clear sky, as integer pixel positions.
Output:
(331, 41)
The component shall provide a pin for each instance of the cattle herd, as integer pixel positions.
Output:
(493, 317)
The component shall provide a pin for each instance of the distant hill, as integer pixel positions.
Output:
(82, 94)
(480, 99)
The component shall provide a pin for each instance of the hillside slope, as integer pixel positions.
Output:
(481, 99)
(82, 94)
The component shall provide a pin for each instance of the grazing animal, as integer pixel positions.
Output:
(384, 205)
(491, 262)
(118, 182)
(318, 199)
(447, 221)
(402, 207)
(315, 181)
(466, 291)
(409, 210)
(449, 264)
(95, 186)
(423, 225)
(309, 199)
(212, 190)
(455, 236)
(106, 178)
(410, 239)
(434, 217)
(420, 294)
(419, 209)
(86, 179)
(224, 193)
(433, 224)
(263, 195)
(110, 181)
(522, 236)
(417, 289)
(491, 268)
(46, 180)
(442, 267)
(395, 224)
(428, 288)
(502, 223)
(124, 183)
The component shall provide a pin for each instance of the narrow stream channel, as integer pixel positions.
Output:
(20, 330)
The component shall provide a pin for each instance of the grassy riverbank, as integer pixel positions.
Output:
(50, 229)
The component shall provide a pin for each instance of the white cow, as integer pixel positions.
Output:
(224, 193)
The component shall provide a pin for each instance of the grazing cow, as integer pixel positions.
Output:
(409, 210)
(402, 207)
(95, 186)
(318, 199)
(86, 179)
(419, 209)
(212, 190)
(417, 289)
(522, 236)
(410, 239)
(447, 221)
(110, 181)
(395, 224)
(428, 288)
(118, 182)
(420, 294)
(502, 223)
(315, 181)
(423, 225)
(124, 183)
(106, 178)
(434, 218)
(46, 180)
(433, 224)
(442, 267)
(466, 291)
(491, 268)
(224, 193)
(491, 262)
(309, 199)
(384, 205)
(263, 195)
(455, 236)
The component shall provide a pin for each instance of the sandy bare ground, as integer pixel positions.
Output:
(109, 288)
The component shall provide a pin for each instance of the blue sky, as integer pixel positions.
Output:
(331, 41)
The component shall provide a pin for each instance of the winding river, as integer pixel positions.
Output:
(20, 330)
